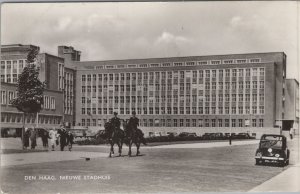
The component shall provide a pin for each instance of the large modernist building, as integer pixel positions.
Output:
(226, 93)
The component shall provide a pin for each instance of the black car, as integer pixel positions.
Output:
(272, 148)
(242, 136)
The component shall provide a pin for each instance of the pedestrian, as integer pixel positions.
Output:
(53, 138)
(70, 140)
(45, 136)
(26, 138)
(62, 138)
(291, 133)
(230, 138)
(33, 135)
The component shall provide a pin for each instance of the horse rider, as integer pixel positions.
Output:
(116, 122)
(133, 122)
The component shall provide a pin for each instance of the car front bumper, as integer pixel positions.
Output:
(269, 158)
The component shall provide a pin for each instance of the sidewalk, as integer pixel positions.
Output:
(287, 181)
(41, 157)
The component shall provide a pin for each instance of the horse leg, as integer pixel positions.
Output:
(111, 153)
(129, 145)
(120, 148)
(137, 148)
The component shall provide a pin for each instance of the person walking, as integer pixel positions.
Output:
(63, 138)
(70, 140)
(33, 135)
(53, 138)
(26, 138)
(45, 136)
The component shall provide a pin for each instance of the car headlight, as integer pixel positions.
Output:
(270, 150)
(258, 154)
(277, 155)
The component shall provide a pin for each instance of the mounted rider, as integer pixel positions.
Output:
(115, 122)
(133, 122)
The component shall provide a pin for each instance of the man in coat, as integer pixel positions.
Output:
(133, 122)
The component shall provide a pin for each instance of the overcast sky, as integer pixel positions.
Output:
(104, 31)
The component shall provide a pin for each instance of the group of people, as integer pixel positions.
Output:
(60, 137)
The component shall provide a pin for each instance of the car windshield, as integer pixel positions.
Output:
(271, 142)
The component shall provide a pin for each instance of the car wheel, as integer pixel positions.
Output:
(257, 161)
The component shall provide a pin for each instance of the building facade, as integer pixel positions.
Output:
(218, 93)
(58, 107)
(224, 92)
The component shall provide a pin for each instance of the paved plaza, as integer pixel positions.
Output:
(195, 167)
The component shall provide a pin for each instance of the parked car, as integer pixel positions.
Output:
(242, 136)
(186, 134)
(207, 136)
(219, 136)
(272, 148)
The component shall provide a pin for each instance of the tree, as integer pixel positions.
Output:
(30, 89)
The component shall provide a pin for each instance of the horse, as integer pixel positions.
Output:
(133, 136)
(113, 137)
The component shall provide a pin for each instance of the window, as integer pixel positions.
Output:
(181, 122)
(83, 78)
(220, 124)
(207, 73)
(233, 124)
(240, 110)
(261, 85)
(187, 122)
(206, 122)
(233, 110)
(253, 122)
(261, 109)
(234, 73)
(82, 122)
(220, 110)
(261, 72)
(226, 122)
(213, 122)
(227, 72)
(254, 110)
(200, 123)
(175, 122)
(240, 122)
(261, 97)
(261, 123)
(233, 97)
(247, 72)
(240, 97)
(241, 72)
(254, 60)
(215, 62)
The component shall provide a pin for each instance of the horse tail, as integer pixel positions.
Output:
(143, 140)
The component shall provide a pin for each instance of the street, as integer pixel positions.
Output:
(158, 169)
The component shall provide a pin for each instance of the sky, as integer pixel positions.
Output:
(127, 30)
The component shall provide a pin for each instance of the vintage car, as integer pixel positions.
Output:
(272, 148)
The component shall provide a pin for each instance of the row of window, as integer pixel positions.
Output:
(13, 64)
(175, 74)
(7, 96)
(185, 122)
(174, 87)
(31, 119)
(175, 99)
(240, 110)
(177, 64)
